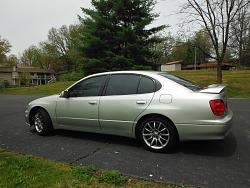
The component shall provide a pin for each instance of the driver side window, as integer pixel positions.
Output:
(88, 87)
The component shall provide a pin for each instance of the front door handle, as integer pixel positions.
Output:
(93, 102)
(141, 102)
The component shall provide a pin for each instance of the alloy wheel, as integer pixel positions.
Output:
(156, 134)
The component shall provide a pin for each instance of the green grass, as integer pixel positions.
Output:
(18, 170)
(49, 89)
(238, 83)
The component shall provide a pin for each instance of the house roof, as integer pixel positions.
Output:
(208, 65)
(6, 69)
(174, 62)
(25, 69)
(33, 70)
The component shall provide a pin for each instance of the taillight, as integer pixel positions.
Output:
(217, 107)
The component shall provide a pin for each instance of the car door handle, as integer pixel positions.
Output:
(141, 102)
(93, 102)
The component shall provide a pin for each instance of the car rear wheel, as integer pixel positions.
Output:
(42, 122)
(157, 134)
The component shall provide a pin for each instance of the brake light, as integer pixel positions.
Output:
(218, 107)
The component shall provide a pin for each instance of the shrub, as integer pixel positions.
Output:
(71, 76)
(4, 84)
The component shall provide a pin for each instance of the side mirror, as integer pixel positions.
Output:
(65, 94)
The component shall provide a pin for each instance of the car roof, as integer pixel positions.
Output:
(128, 72)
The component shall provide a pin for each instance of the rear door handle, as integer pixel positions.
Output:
(93, 102)
(141, 102)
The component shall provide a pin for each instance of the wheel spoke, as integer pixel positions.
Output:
(159, 126)
(160, 142)
(162, 130)
(164, 134)
(162, 138)
(148, 134)
(149, 126)
(148, 138)
(152, 141)
(148, 130)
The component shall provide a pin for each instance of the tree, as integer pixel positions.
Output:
(202, 45)
(62, 45)
(245, 58)
(4, 49)
(116, 35)
(217, 17)
(12, 60)
(162, 49)
(182, 51)
(196, 48)
(29, 56)
(240, 31)
(58, 52)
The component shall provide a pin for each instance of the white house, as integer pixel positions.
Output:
(37, 76)
(172, 66)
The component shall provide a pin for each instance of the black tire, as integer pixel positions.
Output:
(42, 122)
(161, 127)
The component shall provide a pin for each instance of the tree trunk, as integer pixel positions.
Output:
(219, 72)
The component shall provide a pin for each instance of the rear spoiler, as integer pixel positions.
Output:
(215, 89)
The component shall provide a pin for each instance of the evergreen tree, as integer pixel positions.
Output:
(116, 35)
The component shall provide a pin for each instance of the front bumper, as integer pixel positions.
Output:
(26, 117)
(210, 130)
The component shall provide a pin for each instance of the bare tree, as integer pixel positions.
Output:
(240, 31)
(217, 17)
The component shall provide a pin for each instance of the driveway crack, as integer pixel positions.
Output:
(86, 156)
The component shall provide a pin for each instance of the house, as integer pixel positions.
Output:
(210, 65)
(33, 75)
(172, 66)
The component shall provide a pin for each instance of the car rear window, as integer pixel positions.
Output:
(186, 83)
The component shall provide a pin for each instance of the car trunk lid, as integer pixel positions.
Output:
(214, 89)
(219, 90)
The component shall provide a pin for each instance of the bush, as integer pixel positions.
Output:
(71, 76)
(4, 84)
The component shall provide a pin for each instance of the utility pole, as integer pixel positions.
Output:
(195, 59)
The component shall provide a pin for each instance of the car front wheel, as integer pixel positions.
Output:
(157, 134)
(42, 122)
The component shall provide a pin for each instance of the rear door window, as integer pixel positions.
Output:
(122, 84)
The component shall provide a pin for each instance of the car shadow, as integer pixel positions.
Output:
(219, 148)
(96, 137)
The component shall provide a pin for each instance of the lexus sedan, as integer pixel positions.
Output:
(156, 108)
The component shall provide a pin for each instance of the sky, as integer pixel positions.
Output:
(27, 22)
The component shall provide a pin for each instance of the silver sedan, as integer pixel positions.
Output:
(156, 108)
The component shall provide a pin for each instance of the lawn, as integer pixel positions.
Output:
(49, 89)
(237, 82)
(18, 170)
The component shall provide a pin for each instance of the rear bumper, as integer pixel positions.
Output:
(208, 130)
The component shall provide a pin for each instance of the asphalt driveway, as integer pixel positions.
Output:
(206, 164)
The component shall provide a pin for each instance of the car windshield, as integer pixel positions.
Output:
(186, 83)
